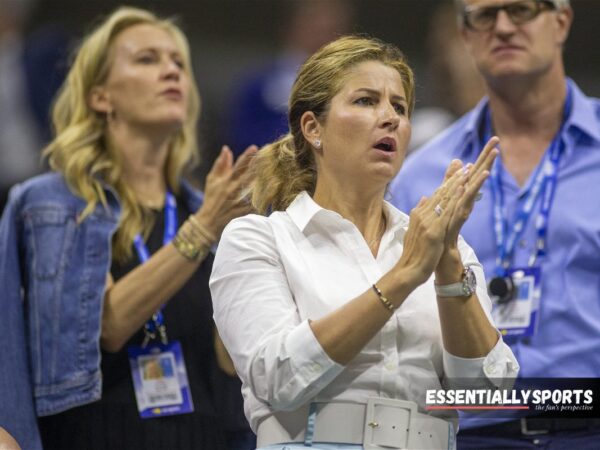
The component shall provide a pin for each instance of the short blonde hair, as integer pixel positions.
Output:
(79, 149)
(286, 167)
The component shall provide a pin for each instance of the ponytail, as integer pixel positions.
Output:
(282, 172)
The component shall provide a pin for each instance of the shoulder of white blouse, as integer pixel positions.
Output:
(248, 228)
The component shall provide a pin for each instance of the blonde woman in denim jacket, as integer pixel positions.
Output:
(125, 130)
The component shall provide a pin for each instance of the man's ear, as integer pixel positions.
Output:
(311, 128)
(99, 101)
(464, 34)
(564, 18)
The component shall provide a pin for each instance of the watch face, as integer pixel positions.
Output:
(469, 281)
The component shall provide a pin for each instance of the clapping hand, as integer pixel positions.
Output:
(476, 174)
(223, 192)
(424, 242)
(431, 240)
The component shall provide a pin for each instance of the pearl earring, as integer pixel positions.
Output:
(318, 143)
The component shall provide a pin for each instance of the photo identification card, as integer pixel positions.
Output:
(518, 317)
(160, 380)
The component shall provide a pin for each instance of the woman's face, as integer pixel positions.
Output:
(366, 130)
(147, 83)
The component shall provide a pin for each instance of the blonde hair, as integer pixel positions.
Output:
(80, 150)
(286, 167)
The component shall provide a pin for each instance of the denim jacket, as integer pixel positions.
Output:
(52, 277)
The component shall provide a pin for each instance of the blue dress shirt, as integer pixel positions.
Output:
(567, 342)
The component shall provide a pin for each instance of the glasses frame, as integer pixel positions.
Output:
(541, 6)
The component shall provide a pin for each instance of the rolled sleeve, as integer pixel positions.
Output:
(499, 367)
(314, 366)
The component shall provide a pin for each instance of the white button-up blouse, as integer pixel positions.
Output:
(271, 275)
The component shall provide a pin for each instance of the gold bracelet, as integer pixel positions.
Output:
(187, 233)
(190, 233)
(384, 301)
(188, 249)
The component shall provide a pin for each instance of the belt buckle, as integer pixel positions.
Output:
(527, 432)
(387, 423)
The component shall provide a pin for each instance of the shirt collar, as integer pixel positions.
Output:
(304, 210)
(472, 129)
(583, 114)
(583, 117)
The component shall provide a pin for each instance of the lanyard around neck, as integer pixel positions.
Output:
(157, 323)
(544, 184)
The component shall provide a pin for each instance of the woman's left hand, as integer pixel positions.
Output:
(477, 174)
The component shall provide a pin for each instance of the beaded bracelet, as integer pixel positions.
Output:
(384, 301)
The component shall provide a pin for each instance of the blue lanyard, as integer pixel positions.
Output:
(544, 183)
(156, 324)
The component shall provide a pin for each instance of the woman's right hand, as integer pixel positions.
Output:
(426, 234)
(223, 200)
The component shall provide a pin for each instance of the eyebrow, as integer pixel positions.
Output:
(376, 92)
(158, 50)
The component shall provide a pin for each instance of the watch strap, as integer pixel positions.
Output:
(459, 289)
(450, 290)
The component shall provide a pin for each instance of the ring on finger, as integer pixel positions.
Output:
(478, 196)
(438, 210)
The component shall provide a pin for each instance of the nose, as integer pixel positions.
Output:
(503, 25)
(171, 69)
(390, 118)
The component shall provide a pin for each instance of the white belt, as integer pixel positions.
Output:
(382, 422)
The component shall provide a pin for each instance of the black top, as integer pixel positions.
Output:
(114, 421)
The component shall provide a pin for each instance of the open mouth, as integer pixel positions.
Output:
(386, 144)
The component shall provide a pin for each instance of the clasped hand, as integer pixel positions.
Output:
(431, 241)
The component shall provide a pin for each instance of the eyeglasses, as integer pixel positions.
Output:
(483, 18)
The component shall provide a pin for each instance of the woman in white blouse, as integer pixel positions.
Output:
(337, 310)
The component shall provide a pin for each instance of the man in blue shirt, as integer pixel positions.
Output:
(539, 214)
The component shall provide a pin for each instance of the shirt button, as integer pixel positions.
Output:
(390, 366)
(490, 369)
(315, 367)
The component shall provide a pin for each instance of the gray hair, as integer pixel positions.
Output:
(460, 4)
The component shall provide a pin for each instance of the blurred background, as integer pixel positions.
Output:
(245, 55)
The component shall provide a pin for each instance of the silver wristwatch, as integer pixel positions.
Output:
(464, 288)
